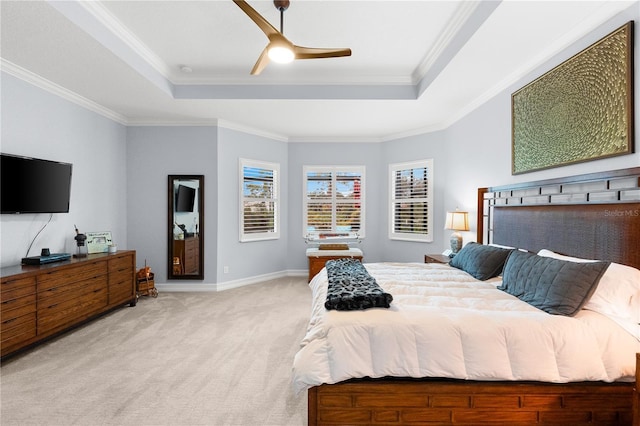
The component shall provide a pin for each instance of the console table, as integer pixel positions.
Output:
(40, 301)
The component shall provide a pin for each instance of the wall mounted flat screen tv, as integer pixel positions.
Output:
(33, 185)
(185, 198)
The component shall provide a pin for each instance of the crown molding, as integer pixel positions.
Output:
(117, 28)
(335, 139)
(44, 84)
(461, 15)
(213, 122)
(97, 22)
(241, 80)
(252, 130)
(415, 132)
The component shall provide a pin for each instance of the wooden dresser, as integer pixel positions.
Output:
(189, 252)
(37, 302)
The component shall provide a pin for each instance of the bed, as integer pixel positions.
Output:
(584, 381)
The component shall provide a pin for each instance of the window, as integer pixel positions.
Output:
(411, 202)
(259, 200)
(334, 200)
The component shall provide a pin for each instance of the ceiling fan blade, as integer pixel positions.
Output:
(318, 52)
(262, 23)
(262, 62)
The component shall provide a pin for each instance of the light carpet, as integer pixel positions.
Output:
(182, 359)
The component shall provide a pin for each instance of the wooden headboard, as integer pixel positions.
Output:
(594, 216)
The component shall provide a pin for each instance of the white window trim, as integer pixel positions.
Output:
(334, 169)
(276, 199)
(403, 236)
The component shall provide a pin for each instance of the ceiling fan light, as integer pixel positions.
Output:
(280, 54)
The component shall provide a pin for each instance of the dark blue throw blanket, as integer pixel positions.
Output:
(351, 288)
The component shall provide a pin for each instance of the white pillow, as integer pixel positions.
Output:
(617, 295)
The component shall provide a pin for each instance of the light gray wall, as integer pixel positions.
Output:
(343, 154)
(255, 258)
(251, 258)
(422, 147)
(38, 124)
(153, 153)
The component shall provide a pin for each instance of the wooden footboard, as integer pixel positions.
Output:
(412, 402)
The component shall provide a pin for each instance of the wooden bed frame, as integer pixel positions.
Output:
(591, 216)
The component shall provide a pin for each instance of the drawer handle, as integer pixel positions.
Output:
(53, 289)
(52, 306)
(6, 302)
(9, 321)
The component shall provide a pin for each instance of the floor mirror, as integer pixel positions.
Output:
(186, 227)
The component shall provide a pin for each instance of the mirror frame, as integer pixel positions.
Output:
(171, 220)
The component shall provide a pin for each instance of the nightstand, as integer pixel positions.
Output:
(436, 258)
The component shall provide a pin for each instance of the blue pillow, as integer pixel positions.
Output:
(555, 286)
(480, 261)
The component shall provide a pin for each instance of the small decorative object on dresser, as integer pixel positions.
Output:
(80, 241)
(99, 242)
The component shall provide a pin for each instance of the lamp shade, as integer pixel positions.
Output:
(458, 221)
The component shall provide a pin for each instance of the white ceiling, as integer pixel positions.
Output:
(416, 66)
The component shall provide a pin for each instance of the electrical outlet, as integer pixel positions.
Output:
(226, 269)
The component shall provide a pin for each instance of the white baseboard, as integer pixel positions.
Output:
(227, 285)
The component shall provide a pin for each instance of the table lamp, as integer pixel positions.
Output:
(458, 221)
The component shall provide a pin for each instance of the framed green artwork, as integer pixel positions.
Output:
(581, 110)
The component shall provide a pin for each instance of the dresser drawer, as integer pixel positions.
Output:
(70, 292)
(17, 312)
(71, 275)
(120, 277)
(8, 325)
(121, 264)
(61, 314)
(121, 287)
(120, 294)
(15, 288)
(14, 308)
(17, 330)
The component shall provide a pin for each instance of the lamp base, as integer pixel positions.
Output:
(456, 242)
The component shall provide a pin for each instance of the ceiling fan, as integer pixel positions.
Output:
(280, 49)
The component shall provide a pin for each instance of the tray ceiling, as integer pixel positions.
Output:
(416, 66)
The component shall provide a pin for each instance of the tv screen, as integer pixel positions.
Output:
(33, 185)
(185, 197)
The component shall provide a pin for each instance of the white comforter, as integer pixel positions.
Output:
(444, 323)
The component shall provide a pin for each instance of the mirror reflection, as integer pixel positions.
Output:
(186, 227)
